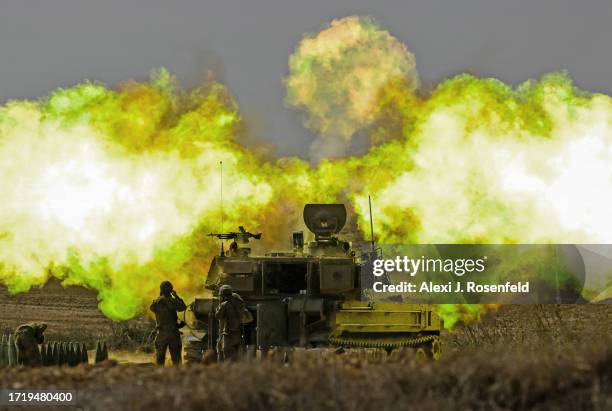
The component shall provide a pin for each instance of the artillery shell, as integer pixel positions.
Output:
(99, 358)
(70, 355)
(3, 356)
(49, 354)
(42, 351)
(12, 352)
(105, 351)
(61, 360)
(77, 353)
(56, 353)
(84, 355)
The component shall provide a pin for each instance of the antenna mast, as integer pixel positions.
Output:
(371, 223)
(221, 197)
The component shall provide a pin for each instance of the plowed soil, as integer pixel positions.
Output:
(71, 312)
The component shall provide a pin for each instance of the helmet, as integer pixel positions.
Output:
(165, 287)
(225, 291)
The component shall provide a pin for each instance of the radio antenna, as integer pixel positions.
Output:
(221, 197)
(371, 223)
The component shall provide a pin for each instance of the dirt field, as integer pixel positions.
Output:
(519, 357)
(71, 314)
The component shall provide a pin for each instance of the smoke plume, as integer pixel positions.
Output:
(116, 190)
(337, 74)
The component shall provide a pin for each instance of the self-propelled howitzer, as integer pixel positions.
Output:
(309, 296)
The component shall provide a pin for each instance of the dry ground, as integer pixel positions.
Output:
(71, 314)
(471, 380)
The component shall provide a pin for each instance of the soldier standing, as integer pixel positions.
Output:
(231, 314)
(168, 335)
(27, 338)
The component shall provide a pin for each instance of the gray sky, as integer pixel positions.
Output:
(45, 44)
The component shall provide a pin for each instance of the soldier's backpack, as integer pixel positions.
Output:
(245, 315)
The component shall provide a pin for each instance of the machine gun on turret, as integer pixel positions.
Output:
(242, 236)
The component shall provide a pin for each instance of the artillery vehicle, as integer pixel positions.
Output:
(309, 296)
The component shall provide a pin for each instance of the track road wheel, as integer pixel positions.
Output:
(420, 353)
(435, 348)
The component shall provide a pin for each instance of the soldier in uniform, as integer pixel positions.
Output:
(168, 335)
(27, 338)
(231, 315)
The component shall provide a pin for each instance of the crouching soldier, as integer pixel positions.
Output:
(27, 339)
(168, 335)
(231, 314)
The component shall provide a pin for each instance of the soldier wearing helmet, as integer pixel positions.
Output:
(27, 339)
(231, 314)
(168, 335)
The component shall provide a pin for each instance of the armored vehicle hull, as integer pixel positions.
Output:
(310, 296)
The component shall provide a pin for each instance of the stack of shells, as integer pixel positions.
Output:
(53, 353)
